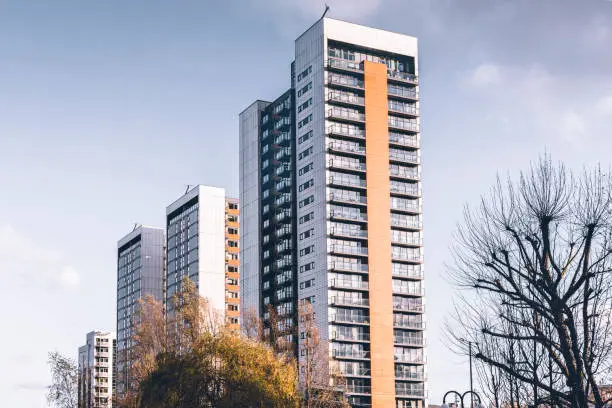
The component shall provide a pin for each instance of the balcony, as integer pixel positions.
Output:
(358, 389)
(347, 318)
(410, 307)
(345, 115)
(347, 182)
(348, 233)
(357, 337)
(403, 140)
(345, 81)
(403, 290)
(400, 207)
(407, 340)
(282, 138)
(403, 109)
(347, 148)
(400, 92)
(409, 391)
(406, 241)
(347, 216)
(403, 157)
(359, 372)
(356, 199)
(406, 324)
(402, 77)
(406, 223)
(402, 124)
(345, 98)
(410, 173)
(349, 301)
(349, 267)
(348, 284)
(346, 131)
(404, 189)
(406, 358)
(348, 250)
(351, 354)
(407, 271)
(409, 376)
(338, 163)
(344, 65)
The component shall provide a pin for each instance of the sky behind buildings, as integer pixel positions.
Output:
(109, 109)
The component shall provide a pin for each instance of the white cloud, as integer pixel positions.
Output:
(23, 262)
(573, 126)
(485, 74)
(604, 105)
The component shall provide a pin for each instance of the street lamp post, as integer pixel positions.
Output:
(471, 375)
(462, 399)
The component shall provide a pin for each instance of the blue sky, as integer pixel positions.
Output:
(109, 109)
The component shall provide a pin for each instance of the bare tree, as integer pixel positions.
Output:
(535, 259)
(63, 391)
(321, 382)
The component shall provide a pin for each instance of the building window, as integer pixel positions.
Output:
(305, 169)
(305, 153)
(307, 284)
(305, 137)
(306, 234)
(306, 201)
(305, 105)
(307, 250)
(304, 89)
(307, 267)
(305, 121)
(306, 185)
(304, 73)
(306, 217)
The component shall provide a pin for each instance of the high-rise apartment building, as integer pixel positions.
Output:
(140, 273)
(95, 365)
(203, 245)
(331, 204)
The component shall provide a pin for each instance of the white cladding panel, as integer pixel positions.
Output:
(211, 245)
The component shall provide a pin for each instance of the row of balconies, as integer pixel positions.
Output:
(354, 66)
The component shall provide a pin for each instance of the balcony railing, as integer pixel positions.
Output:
(403, 109)
(404, 140)
(411, 173)
(403, 124)
(406, 223)
(346, 232)
(402, 375)
(338, 129)
(349, 266)
(404, 290)
(344, 80)
(358, 372)
(402, 92)
(345, 215)
(348, 250)
(353, 199)
(352, 354)
(360, 337)
(407, 208)
(405, 324)
(351, 148)
(407, 358)
(410, 189)
(348, 318)
(358, 389)
(348, 284)
(347, 182)
(346, 164)
(406, 157)
(409, 341)
(406, 241)
(349, 301)
(408, 307)
(411, 273)
(337, 113)
(344, 65)
(342, 97)
(403, 76)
